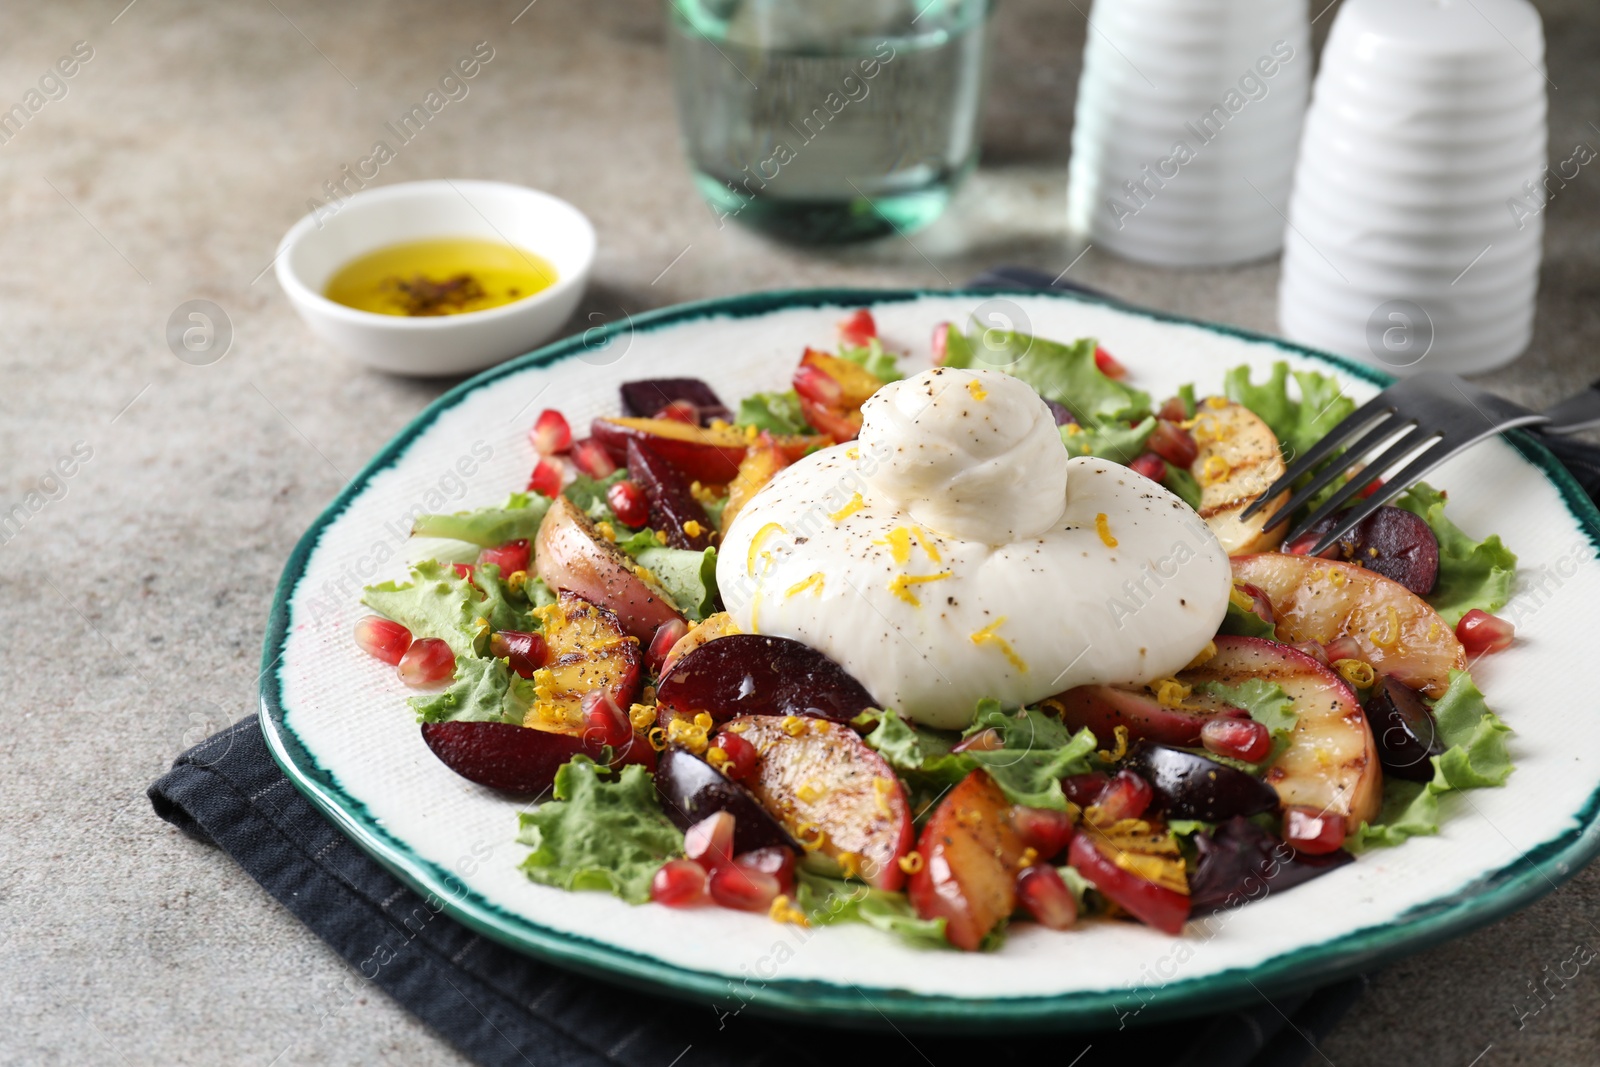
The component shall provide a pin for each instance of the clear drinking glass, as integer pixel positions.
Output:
(825, 121)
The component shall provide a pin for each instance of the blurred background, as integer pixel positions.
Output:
(166, 168)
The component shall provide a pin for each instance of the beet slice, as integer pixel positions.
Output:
(517, 759)
(691, 789)
(672, 505)
(645, 399)
(1240, 862)
(751, 674)
(1391, 541)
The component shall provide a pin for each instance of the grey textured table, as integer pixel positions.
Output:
(132, 604)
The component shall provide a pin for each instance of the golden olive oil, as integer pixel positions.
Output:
(442, 276)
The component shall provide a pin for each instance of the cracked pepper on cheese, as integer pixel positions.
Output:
(954, 552)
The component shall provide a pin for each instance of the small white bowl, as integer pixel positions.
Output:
(322, 242)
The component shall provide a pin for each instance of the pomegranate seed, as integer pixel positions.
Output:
(667, 634)
(1173, 443)
(941, 337)
(1340, 648)
(709, 842)
(1126, 796)
(681, 411)
(1045, 831)
(1261, 605)
(551, 433)
(818, 385)
(509, 557)
(743, 889)
(1174, 410)
(382, 639)
(679, 884)
(774, 860)
(1302, 546)
(1107, 364)
(742, 756)
(604, 720)
(982, 741)
(1377, 483)
(592, 458)
(1046, 897)
(1082, 789)
(1480, 632)
(546, 479)
(1311, 831)
(858, 329)
(1151, 466)
(628, 501)
(1243, 739)
(428, 661)
(527, 652)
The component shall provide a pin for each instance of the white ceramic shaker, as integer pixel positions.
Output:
(1417, 213)
(1187, 119)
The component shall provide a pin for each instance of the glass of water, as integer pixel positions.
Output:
(825, 121)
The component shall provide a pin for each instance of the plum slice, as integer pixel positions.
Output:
(691, 789)
(515, 759)
(1191, 786)
(710, 456)
(571, 556)
(645, 399)
(971, 854)
(753, 674)
(1405, 730)
(832, 793)
(1391, 541)
(673, 509)
(1102, 708)
(1241, 862)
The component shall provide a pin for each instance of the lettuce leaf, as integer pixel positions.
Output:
(1472, 574)
(1036, 752)
(775, 412)
(1116, 441)
(825, 901)
(689, 577)
(1266, 702)
(1063, 373)
(517, 519)
(885, 366)
(1241, 622)
(1298, 424)
(602, 831)
(1475, 757)
(484, 690)
(1181, 484)
(435, 603)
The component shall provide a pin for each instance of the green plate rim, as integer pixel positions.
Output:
(1494, 894)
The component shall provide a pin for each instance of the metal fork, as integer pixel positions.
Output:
(1438, 413)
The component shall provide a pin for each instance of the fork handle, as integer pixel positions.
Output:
(1581, 412)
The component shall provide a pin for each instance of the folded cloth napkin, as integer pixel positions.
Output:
(500, 1007)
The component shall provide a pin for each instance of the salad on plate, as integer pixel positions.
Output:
(987, 643)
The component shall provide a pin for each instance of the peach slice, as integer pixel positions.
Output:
(971, 854)
(1102, 708)
(571, 556)
(1322, 600)
(707, 455)
(1238, 459)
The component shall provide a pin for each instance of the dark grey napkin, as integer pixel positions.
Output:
(500, 1007)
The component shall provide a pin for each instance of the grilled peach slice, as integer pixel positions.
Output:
(760, 463)
(1331, 763)
(1102, 708)
(1321, 600)
(831, 793)
(831, 392)
(1238, 459)
(587, 652)
(709, 455)
(714, 626)
(571, 556)
(971, 854)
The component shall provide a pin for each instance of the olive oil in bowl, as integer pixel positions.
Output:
(440, 276)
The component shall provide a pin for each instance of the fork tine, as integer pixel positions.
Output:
(1387, 428)
(1408, 476)
(1365, 477)
(1380, 405)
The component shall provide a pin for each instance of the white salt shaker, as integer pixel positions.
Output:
(1415, 224)
(1188, 116)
